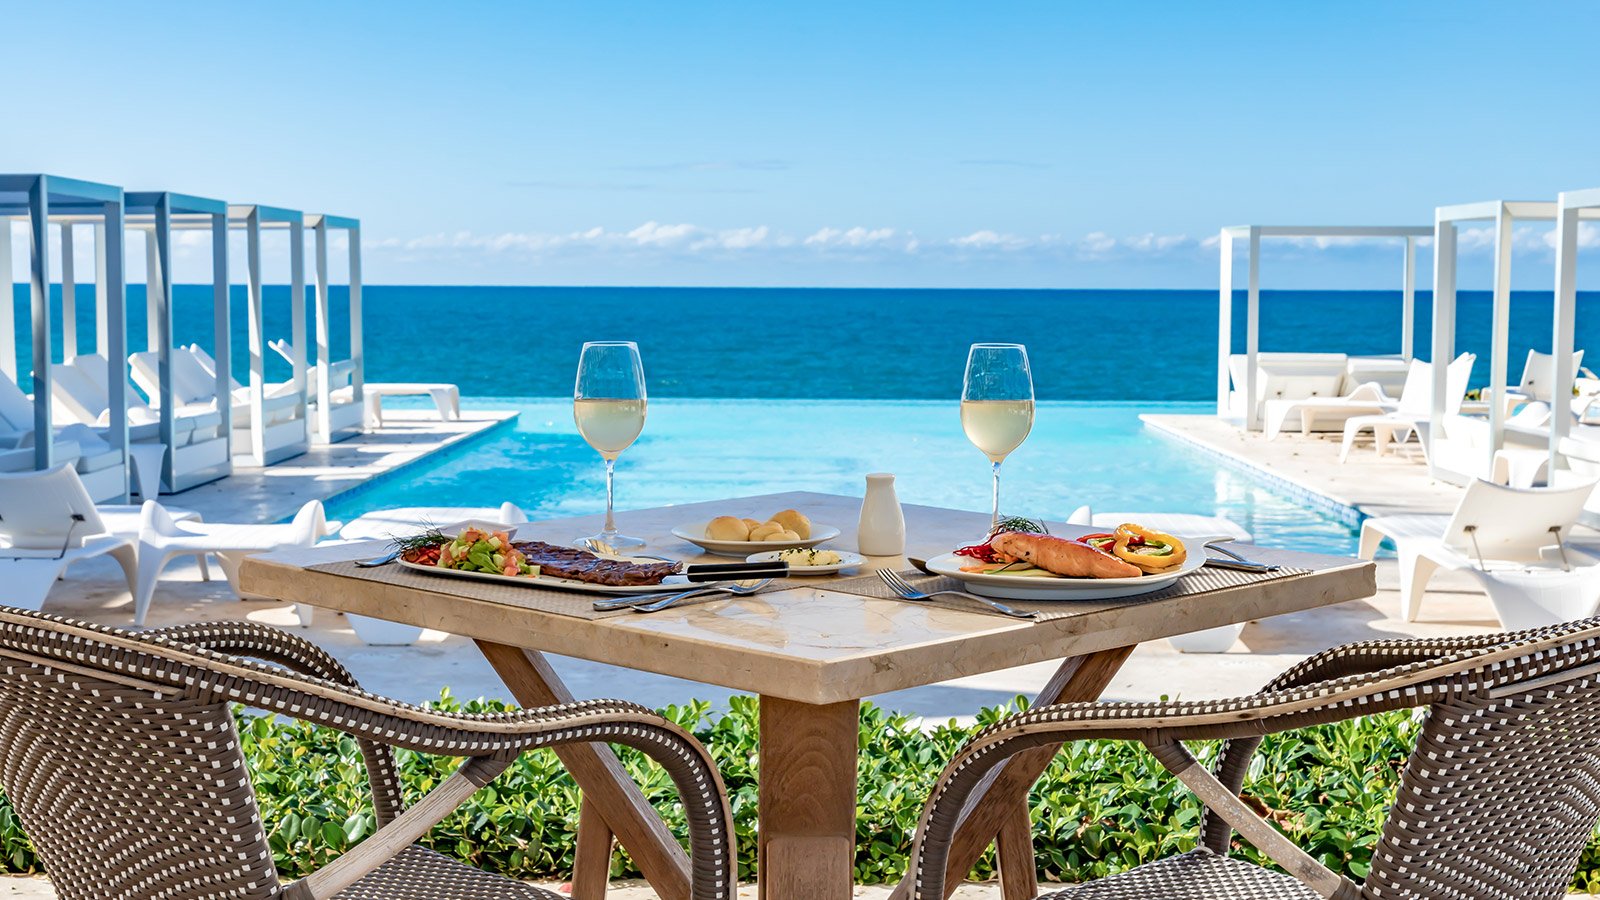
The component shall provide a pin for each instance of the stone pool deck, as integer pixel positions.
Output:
(1308, 467)
(267, 494)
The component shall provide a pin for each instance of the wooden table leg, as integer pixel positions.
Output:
(808, 799)
(599, 774)
(591, 862)
(993, 806)
(1019, 873)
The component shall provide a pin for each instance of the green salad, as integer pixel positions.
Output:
(475, 550)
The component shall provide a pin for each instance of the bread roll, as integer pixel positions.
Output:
(760, 532)
(794, 520)
(781, 537)
(752, 524)
(727, 528)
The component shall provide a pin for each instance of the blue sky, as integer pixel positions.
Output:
(1001, 144)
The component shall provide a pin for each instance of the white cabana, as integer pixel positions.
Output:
(339, 383)
(37, 201)
(1461, 449)
(1574, 449)
(1243, 401)
(194, 456)
(274, 437)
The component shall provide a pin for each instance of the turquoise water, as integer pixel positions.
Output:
(695, 450)
(1125, 345)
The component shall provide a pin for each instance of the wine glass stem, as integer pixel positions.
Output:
(994, 520)
(611, 521)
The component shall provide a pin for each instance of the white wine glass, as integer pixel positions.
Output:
(997, 405)
(608, 404)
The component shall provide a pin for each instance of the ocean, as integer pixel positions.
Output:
(844, 344)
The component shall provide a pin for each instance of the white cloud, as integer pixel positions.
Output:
(655, 234)
(991, 240)
(853, 237)
(862, 243)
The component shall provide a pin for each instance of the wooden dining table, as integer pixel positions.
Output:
(811, 654)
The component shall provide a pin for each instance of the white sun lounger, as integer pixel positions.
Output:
(1414, 407)
(1538, 373)
(199, 451)
(1513, 540)
(96, 461)
(344, 419)
(446, 396)
(47, 523)
(194, 382)
(161, 538)
(385, 524)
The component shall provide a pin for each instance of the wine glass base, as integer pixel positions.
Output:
(613, 539)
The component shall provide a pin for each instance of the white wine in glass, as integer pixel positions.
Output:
(608, 405)
(997, 405)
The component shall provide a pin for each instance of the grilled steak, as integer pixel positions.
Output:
(581, 565)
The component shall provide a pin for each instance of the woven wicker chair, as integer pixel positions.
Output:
(1497, 801)
(119, 754)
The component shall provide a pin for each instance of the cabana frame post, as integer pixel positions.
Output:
(159, 214)
(267, 448)
(335, 423)
(43, 200)
(1503, 216)
(1252, 235)
(1572, 209)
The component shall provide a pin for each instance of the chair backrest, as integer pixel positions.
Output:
(126, 789)
(76, 397)
(1456, 379)
(1416, 393)
(1387, 372)
(1538, 374)
(94, 367)
(1507, 523)
(208, 365)
(16, 408)
(46, 511)
(1502, 793)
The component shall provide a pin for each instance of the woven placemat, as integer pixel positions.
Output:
(552, 600)
(1201, 581)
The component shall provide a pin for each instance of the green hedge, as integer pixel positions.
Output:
(1103, 807)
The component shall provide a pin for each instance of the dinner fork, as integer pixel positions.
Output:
(737, 588)
(905, 591)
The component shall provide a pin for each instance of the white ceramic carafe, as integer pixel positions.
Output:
(882, 530)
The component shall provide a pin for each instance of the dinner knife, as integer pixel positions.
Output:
(729, 571)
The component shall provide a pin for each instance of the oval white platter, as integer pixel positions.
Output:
(695, 533)
(1025, 587)
(847, 560)
(671, 583)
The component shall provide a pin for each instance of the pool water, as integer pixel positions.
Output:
(1099, 454)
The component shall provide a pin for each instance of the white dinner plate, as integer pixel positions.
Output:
(695, 533)
(1023, 587)
(671, 583)
(847, 560)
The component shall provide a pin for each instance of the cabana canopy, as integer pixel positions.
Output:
(159, 213)
(272, 443)
(40, 200)
(1478, 461)
(335, 423)
(1571, 208)
(1253, 235)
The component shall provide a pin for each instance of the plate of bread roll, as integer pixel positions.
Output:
(733, 535)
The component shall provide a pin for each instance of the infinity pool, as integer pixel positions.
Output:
(693, 450)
